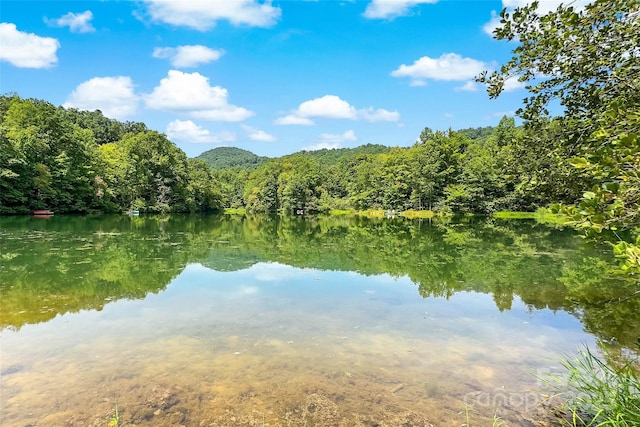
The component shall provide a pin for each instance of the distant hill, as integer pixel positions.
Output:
(333, 156)
(478, 133)
(231, 157)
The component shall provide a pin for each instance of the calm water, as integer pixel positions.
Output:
(229, 321)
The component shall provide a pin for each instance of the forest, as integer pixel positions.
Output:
(72, 161)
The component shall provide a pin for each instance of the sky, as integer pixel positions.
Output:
(269, 77)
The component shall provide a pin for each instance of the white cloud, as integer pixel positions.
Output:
(512, 84)
(230, 113)
(203, 15)
(448, 116)
(188, 56)
(322, 146)
(333, 107)
(494, 23)
(26, 50)
(449, 66)
(114, 96)
(328, 106)
(273, 271)
(188, 131)
(191, 94)
(292, 119)
(258, 135)
(378, 115)
(382, 9)
(469, 86)
(330, 138)
(330, 141)
(77, 22)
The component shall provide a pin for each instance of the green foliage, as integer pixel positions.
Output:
(231, 157)
(45, 160)
(235, 211)
(597, 393)
(336, 155)
(418, 214)
(78, 161)
(478, 134)
(104, 130)
(261, 189)
(588, 62)
(444, 171)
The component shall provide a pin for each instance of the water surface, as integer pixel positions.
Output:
(212, 321)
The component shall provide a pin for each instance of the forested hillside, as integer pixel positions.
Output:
(76, 161)
(231, 157)
(336, 155)
(444, 170)
(238, 159)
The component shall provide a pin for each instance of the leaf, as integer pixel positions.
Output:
(579, 162)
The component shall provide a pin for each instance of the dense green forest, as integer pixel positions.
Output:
(231, 157)
(443, 170)
(67, 160)
(78, 161)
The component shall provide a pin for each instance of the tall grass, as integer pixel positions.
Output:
(597, 394)
(114, 421)
(418, 214)
(542, 216)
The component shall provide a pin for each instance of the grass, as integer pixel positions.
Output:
(542, 215)
(497, 421)
(339, 212)
(412, 214)
(596, 394)
(372, 213)
(235, 211)
(514, 215)
(114, 421)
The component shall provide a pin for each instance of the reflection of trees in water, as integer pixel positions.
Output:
(67, 264)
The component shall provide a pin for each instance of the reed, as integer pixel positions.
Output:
(597, 394)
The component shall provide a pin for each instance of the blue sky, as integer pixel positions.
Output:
(272, 78)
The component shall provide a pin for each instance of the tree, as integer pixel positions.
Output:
(589, 62)
(157, 173)
(46, 160)
(78, 161)
(261, 188)
(440, 158)
(202, 194)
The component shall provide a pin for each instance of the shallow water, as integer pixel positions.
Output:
(212, 321)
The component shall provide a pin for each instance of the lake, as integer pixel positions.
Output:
(238, 321)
